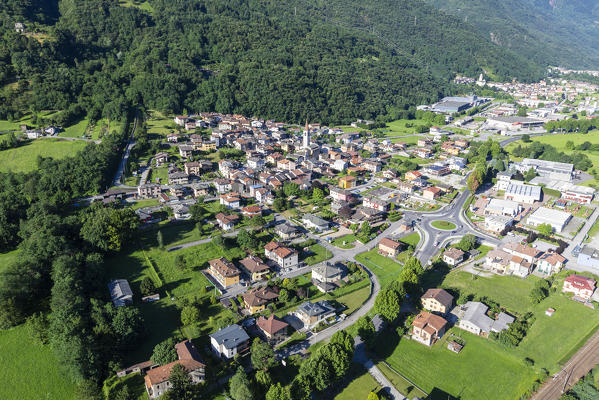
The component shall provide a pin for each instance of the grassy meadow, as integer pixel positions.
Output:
(24, 158)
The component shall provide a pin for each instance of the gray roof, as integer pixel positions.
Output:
(476, 313)
(502, 322)
(516, 120)
(327, 270)
(315, 309)
(524, 190)
(286, 228)
(120, 292)
(316, 220)
(231, 336)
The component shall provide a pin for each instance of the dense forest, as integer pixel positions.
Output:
(556, 32)
(284, 60)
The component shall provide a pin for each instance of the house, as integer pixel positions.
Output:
(427, 328)
(497, 223)
(284, 256)
(193, 168)
(589, 257)
(185, 150)
(178, 178)
(226, 222)
(550, 263)
(286, 231)
(311, 221)
(412, 175)
(431, 193)
(272, 329)
(172, 138)
(519, 267)
(405, 187)
(157, 379)
(389, 248)
(474, 319)
(341, 195)
(557, 219)
(251, 211)
(230, 341)
(181, 212)
(453, 256)
(255, 300)
(310, 314)
(347, 182)
(423, 153)
(180, 120)
(436, 170)
(437, 300)
(528, 253)
(120, 292)
(149, 190)
(224, 272)
(254, 267)
(498, 261)
(161, 158)
(327, 273)
(230, 200)
(581, 286)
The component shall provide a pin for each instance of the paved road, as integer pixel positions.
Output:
(119, 172)
(578, 366)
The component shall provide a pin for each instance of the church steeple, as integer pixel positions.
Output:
(306, 142)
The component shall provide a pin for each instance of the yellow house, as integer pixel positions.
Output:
(347, 182)
(254, 267)
(437, 300)
(224, 272)
(255, 300)
(207, 146)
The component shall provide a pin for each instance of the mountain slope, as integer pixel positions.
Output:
(334, 61)
(549, 32)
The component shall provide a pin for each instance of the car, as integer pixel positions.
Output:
(436, 243)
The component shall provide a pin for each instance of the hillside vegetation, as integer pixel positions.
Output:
(332, 61)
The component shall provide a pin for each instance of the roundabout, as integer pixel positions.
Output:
(443, 225)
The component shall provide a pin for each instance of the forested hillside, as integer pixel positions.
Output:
(334, 61)
(549, 32)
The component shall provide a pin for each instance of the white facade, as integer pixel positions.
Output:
(557, 219)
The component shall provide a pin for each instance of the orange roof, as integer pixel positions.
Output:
(271, 325)
(161, 374)
(425, 319)
(224, 267)
(389, 243)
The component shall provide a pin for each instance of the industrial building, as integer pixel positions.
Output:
(557, 219)
(550, 169)
(522, 193)
(513, 123)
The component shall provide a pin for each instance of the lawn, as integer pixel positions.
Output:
(158, 173)
(318, 254)
(593, 231)
(474, 373)
(141, 4)
(77, 130)
(146, 203)
(385, 269)
(444, 225)
(398, 127)
(411, 240)
(359, 387)
(26, 119)
(354, 300)
(483, 370)
(8, 258)
(25, 361)
(102, 126)
(160, 125)
(345, 242)
(412, 139)
(24, 158)
(400, 383)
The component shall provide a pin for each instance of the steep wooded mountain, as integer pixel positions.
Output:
(334, 60)
(549, 32)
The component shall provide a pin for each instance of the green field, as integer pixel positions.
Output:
(445, 225)
(160, 125)
(320, 254)
(141, 4)
(412, 139)
(485, 368)
(350, 242)
(398, 127)
(146, 203)
(24, 158)
(354, 300)
(360, 386)
(400, 383)
(24, 361)
(77, 130)
(385, 269)
(7, 258)
(26, 119)
(411, 240)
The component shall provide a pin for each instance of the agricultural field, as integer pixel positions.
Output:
(403, 127)
(24, 158)
(76, 130)
(492, 369)
(30, 362)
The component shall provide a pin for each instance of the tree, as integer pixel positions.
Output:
(189, 315)
(218, 241)
(181, 387)
(246, 240)
(338, 358)
(147, 287)
(343, 339)
(263, 379)
(239, 386)
(257, 221)
(467, 242)
(317, 195)
(387, 304)
(522, 111)
(197, 212)
(108, 228)
(545, 229)
(291, 189)
(164, 352)
(180, 262)
(530, 175)
(160, 240)
(262, 355)
(372, 396)
(365, 329)
(279, 204)
(278, 392)
(474, 181)
(127, 323)
(526, 138)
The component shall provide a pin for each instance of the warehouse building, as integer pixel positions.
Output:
(557, 219)
(522, 193)
(513, 123)
(550, 169)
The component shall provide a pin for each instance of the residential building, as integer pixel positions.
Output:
(473, 318)
(347, 182)
(286, 231)
(226, 222)
(120, 292)
(257, 299)
(498, 261)
(327, 273)
(251, 211)
(230, 200)
(453, 256)
(427, 328)
(550, 263)
(437, 300)
(412, 175)
(557, 219)
(254, 267)
(389, 248)
(580, 286)
(185, 150)
(310, 314)
(283, 256)
(341, 195)
(193, 168)
(157, 379)
(272, 329)
(178, 178)
(529, 254)
(431, 193)
(433, 170)
(224, 271)
(230, 341)
(522, 193)
(311, 221)
(497, 223)
(148, 190)
(588, 257)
